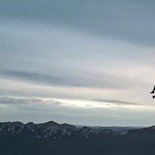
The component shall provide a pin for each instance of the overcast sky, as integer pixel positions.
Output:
(87, 62)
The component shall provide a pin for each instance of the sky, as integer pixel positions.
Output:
(88, 62)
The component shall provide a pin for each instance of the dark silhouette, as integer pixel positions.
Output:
(152, 92)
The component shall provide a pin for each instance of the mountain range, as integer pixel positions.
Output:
(51, 138)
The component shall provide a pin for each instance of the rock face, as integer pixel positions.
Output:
(14, 128)
(52, 130)
(44, 130)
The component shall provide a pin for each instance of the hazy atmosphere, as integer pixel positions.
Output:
(88, 62)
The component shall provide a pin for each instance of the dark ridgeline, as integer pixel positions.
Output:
(52, 138)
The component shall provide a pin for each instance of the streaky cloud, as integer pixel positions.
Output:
(108, 82)
(124, 20)
(11, 100)
(117, 102)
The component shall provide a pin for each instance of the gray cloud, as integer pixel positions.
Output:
(46, 104)
(80, 49)
(129, 20)
(107, 81)
(32, 76)
(25, 100)
(117, 102)
(95, 116)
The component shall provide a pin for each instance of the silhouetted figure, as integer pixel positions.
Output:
(152, 92)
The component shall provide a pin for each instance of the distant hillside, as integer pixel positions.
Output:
(51, 138)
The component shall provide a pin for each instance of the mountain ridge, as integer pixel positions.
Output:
(51, 128)
(17, 138)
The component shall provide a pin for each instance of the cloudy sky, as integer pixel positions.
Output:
(87, 62)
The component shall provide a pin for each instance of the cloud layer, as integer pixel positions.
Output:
(103, 113)
(127, 20)
(86, 54)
